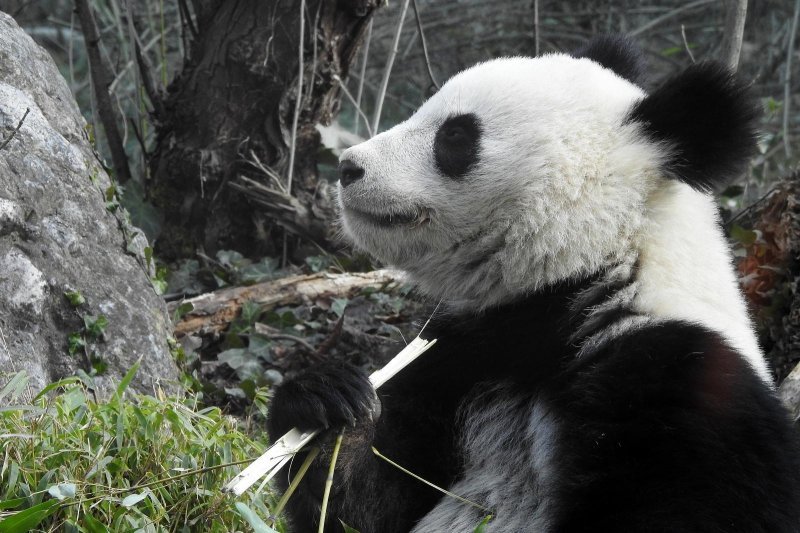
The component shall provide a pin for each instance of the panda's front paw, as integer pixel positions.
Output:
(331, 395)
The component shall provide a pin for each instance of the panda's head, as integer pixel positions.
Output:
(524, 172)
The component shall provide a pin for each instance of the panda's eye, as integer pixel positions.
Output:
(456, 145)
(454, 133)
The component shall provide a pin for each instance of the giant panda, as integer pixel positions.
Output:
(596, 369)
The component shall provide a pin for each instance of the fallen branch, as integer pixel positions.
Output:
(212, 312)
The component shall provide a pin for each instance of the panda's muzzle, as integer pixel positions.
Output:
(388, 220)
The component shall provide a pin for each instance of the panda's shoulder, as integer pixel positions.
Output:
(672, 365)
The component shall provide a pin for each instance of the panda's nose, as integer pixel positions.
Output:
(349, 172)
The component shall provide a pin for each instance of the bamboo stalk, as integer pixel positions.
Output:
(329, 482)
(271, 461)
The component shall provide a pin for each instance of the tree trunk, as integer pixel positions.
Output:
(233, 104)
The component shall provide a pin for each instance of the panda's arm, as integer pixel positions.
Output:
(368, 494)
(669, 429)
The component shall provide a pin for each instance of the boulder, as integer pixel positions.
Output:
(58, 234)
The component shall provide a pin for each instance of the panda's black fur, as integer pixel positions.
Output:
(566, 410)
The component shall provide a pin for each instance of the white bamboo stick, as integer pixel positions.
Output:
(284, 448)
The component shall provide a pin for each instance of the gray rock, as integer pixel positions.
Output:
(57, 235)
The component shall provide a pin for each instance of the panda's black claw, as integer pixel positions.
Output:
(331, 395)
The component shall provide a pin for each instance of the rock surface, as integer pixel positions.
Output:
(56, 235)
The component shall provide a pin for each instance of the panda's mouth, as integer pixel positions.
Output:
(389, 220)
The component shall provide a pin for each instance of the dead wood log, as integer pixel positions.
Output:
(212, 312)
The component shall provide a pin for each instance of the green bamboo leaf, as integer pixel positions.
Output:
(348, 529)
(15, 386)
(57, 384)
(128, 378)
(258, 525)
(133, 499)
(24, 521)
(93, 525)
(62, 491)
(482, 526)
(10, 504)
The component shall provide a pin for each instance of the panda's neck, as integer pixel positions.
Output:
(685, 272)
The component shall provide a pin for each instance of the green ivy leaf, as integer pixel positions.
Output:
(181, 311)
(338, 306)
(75, 298)
(742, 235)
(75, 342)
(95, 325)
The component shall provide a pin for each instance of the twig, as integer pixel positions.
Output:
(686, 43)
(388, 70)
(425, 45)
(19, 125)
(274, 333)
(271, 174)
(536, 28)
(437, 487)
(314, 39)
(129, 64)
(101, 80)
(299, 101)
(733, 32)
(187, 16)
(749, 208)
(69, 50)
(360, 91)
(329, 482)
(147, 82)
(132, 488)
(787, 82)
(359, 112)
(141, 80)
(163, 44)
(331, 339)
(658, 20)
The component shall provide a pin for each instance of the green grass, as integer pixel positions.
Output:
(130, 463)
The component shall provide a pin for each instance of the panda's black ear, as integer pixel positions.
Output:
(617, 53)
(706, 121)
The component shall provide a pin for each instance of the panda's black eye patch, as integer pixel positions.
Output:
(457, 144)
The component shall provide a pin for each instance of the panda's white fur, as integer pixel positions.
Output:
(596, 368)
(686, 271)
(560, 184)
